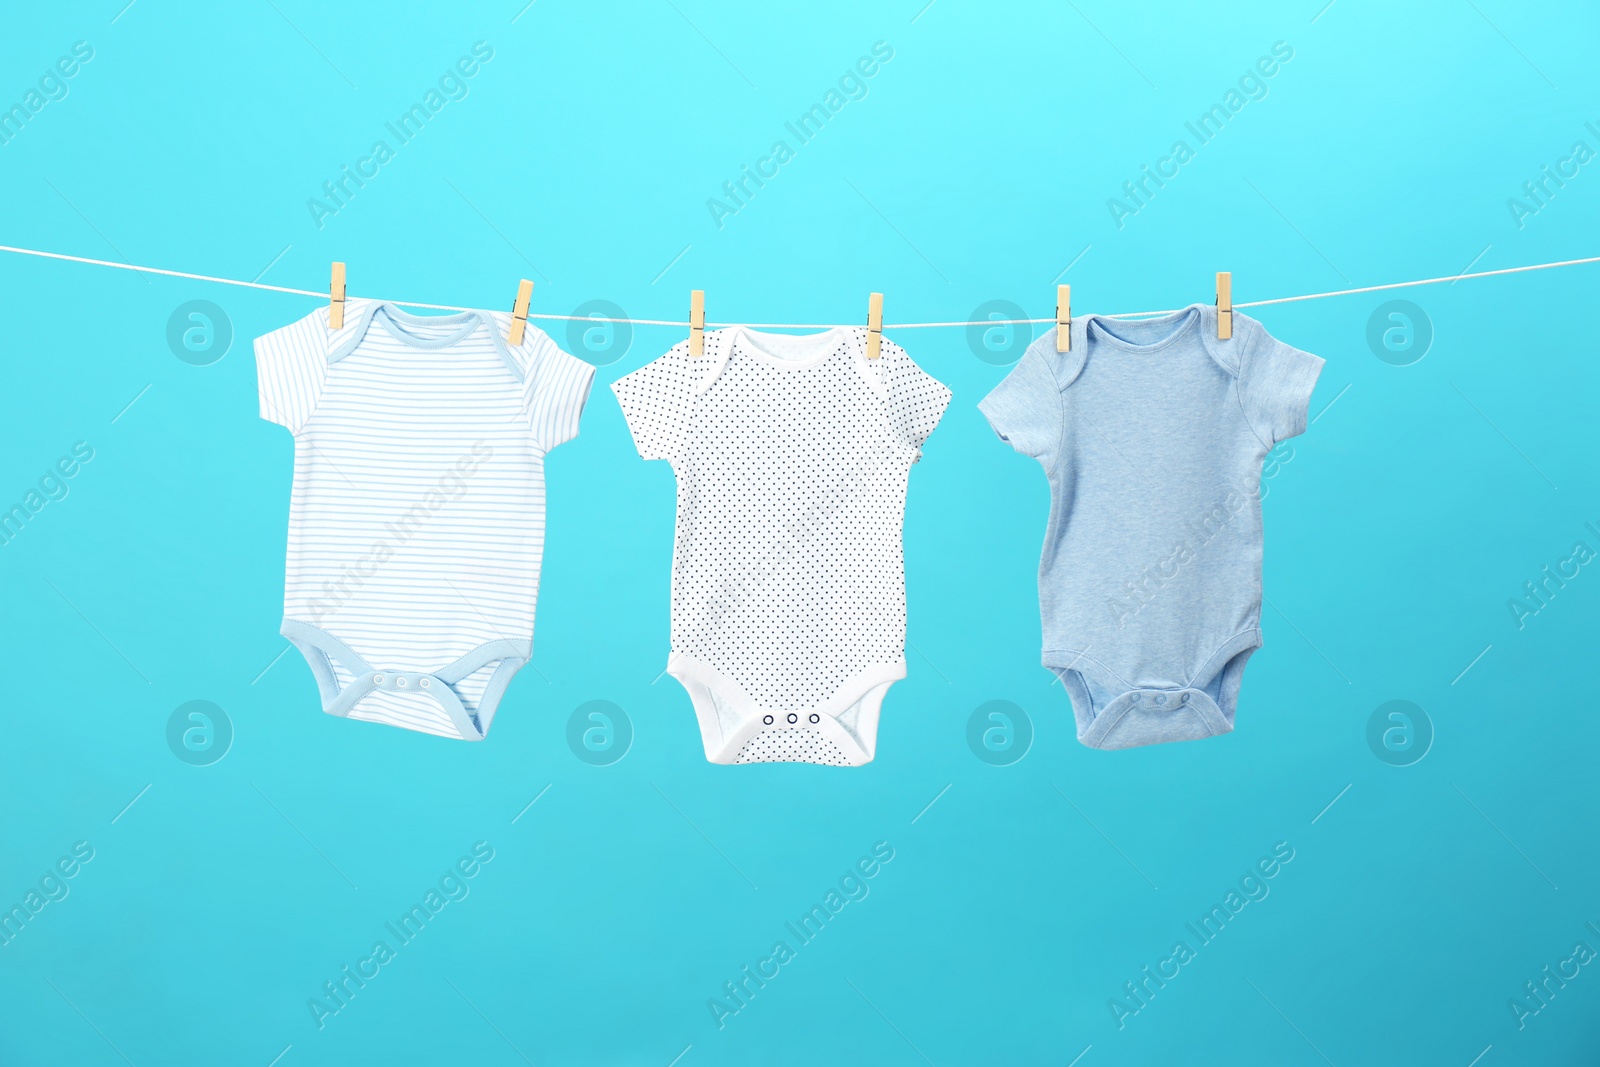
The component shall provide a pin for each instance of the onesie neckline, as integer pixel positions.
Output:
(394, 323)
(1097, 329)
(829, 342)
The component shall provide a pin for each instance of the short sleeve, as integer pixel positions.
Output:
(1024, 410)
(554, 392)
(1275, 383)
(291, 365)
(656, 400)
(916, 399)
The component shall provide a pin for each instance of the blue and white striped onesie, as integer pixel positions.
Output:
(416, 522)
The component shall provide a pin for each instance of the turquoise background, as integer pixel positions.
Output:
(1021, 897)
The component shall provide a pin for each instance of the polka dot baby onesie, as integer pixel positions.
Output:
(788, 582)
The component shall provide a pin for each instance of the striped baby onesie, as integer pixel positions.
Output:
(416, 521)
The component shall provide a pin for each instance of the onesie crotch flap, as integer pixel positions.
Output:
(840, 732)
(345, 679)
(1153, 716)
(412, 683)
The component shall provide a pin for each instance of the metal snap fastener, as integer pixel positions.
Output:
(767, 719)
(401, 682)
(377, 679)
(816, 718)
(1161, 698)
(793, 717)
(1183, 698)
(423, 683)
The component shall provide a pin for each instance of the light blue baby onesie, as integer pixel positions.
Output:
(417, 517)
(1152, 433)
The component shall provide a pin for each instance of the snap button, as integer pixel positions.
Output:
(401, 682)
(1161, 698)
(816, 718)
(793, 717)
(423, 683)
(377, 679)
(767, 719)
(1183, 698)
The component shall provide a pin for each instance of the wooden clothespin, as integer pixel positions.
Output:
(697, 323)
(1063, 318)
(1224, 304)
(519, 311)
(336, 297)
(874, 324)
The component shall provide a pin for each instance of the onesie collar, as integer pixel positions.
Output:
(1068, 365)
(344, 341)
(719, 345)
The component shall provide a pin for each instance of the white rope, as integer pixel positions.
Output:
(683, 323)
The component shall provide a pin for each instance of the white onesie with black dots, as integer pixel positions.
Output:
(788, 580)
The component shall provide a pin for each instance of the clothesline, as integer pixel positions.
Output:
(684, 324)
